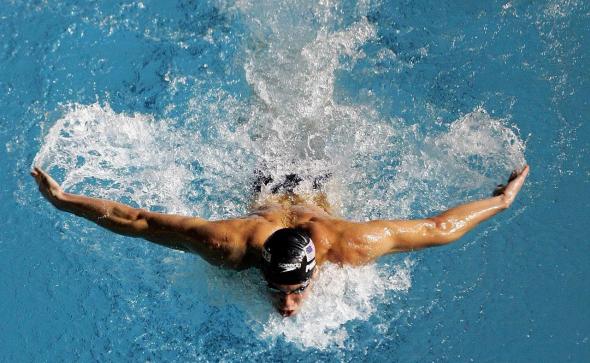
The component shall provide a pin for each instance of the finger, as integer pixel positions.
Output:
(36, 172)
(499, 190)
(45, 181)
(513, 176)
(40, 174)
(36, 176)
(40, 171)
(522, 175)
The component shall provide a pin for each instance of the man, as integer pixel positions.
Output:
(287, 236)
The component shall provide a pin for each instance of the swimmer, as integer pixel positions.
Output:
(286, 237)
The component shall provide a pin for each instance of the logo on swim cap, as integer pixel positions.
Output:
(289, 266)
(310, 266)
(310, 251)
(288, 256)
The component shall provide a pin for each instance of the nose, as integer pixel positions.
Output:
(287, 302)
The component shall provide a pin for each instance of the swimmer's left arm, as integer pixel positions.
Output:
(452, 224)
(376, 238)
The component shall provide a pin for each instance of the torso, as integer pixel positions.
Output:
(237, 243)
(323, 228)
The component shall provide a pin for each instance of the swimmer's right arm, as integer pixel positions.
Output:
(218, 241)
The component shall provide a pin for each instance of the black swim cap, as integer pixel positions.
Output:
(288, 257)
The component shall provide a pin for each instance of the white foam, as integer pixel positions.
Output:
(203, 163)
(291, 67)
(137, 159)
(116, 156)
(339, 295)
(434, 171)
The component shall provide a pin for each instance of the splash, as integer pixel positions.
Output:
(290, 66)
(139, 160)
(437, 170)
(339, 295)
(202, 163)
(115, 156)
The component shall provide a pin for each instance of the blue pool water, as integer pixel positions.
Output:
(413, 106)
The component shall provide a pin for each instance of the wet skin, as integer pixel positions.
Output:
(288, 300)
(237, 243)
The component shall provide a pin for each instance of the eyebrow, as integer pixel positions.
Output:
(301, 286)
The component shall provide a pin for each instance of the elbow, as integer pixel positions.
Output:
(139, 226)
(136, 222)
(444, 231)
(137, 214)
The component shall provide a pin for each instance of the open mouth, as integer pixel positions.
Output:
(287, 313)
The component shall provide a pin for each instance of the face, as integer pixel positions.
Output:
(288, 299)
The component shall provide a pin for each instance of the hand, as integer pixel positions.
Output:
(47, 186)
(509, 191)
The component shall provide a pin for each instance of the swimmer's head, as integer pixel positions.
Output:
(288, 264)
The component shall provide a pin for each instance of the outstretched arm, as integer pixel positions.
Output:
(452, 224)
(219, 242)
(382, 237)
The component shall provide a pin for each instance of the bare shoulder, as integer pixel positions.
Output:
(230, 242)
(356, 243)
(336, 240)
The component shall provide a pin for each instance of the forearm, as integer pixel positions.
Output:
(455, 222)
(169, 230)
(408, 235)
(114, 216)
